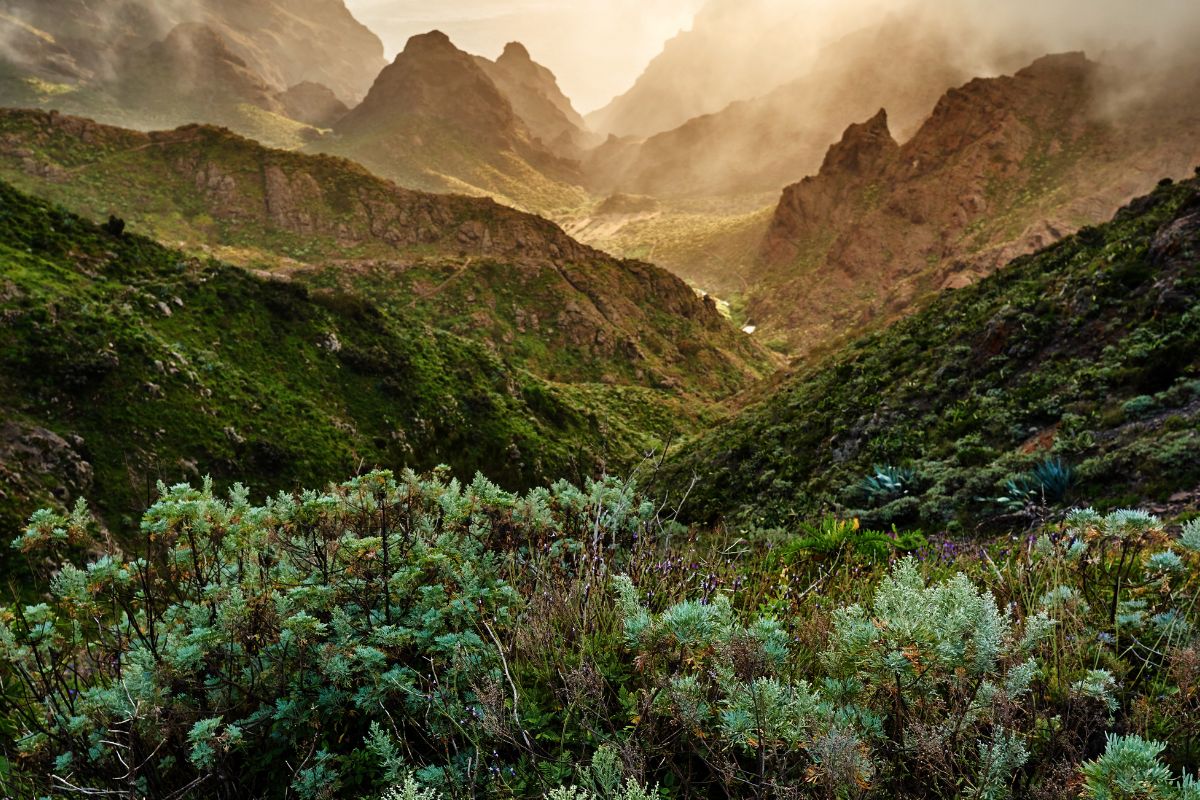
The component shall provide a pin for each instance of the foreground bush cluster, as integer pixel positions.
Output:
(411, 637)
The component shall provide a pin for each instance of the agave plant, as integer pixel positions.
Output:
(1046, 484)
(887, 483)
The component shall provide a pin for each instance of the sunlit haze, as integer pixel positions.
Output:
(597, 48)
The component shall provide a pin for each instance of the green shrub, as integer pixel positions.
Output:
(1130, 770)
(1138, 407)
(252, 648)
(887, 483)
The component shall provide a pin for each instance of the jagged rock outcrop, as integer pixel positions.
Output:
(762, 142)
(1002, 167)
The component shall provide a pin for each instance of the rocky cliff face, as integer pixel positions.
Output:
(1002, 167)
(761, 143)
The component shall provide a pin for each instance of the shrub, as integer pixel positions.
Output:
(1138, 407)
(254, 648)
(1131, 770)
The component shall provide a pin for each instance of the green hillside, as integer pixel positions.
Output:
(513, 282)
(1075, 369)
(123, 362)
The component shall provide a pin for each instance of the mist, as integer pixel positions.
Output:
(596, 48)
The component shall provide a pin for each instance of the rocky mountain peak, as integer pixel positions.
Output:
(538, 101)
(434, 42)
(1059, 66)
(433, 79)
(863, 147)
(515, 53)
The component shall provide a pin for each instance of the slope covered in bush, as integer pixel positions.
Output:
(122, 362)
(1073, 371)
(417, 638)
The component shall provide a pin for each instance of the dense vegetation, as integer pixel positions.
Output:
(122, 362)
(409, 636)
(511, 282)
(405, 635)
(1073, 374)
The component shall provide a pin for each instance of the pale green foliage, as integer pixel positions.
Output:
(1130, 769)
(339, 604)
(1100, 685)
(999, 759)
(409, 789)
(604, 779)
(1190, 537)
(913, 629)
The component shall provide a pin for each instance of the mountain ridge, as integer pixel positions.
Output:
(1002, 167)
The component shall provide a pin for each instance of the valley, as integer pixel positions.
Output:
(392, 418)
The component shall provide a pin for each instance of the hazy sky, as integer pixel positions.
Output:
(597, 48)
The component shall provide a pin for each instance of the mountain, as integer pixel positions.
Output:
(191, 74)
(1085, 356)
(435, 120)
(1002, 167)
(538, 101)
(736, 49)
(123, 362)
(513, 282)
(755, 144)
(157, 65)
(286, 42)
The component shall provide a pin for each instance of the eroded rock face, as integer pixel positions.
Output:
(1003, 167)
(39, 466)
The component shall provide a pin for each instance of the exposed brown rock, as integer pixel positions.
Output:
(1002, 167)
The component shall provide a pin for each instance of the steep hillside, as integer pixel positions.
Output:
(190, 75)
(434, 120)
(123, 362)
(1085, 355)
(538, 101)
(513, 282)
(1002, 167)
